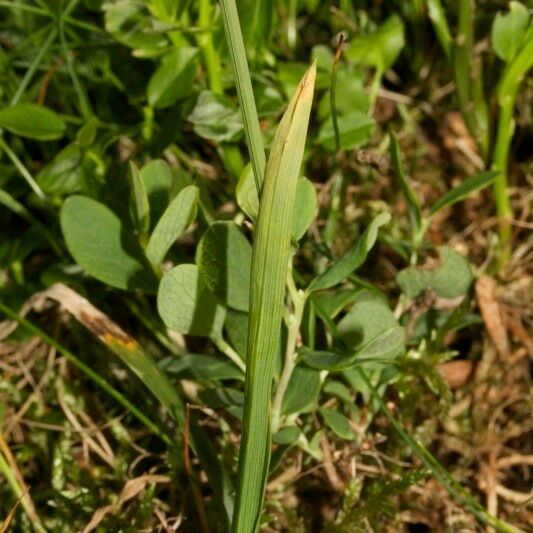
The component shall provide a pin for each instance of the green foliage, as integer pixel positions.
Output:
(353, 259)
(302, 392)
(172, 79)
(179, 214)
(214, 118)
(102, 245)
(381, 48)
(355, 129)
(288, 346)
(187, 306)
(509, 30)
(224, 256)
(32, 121)
(452, 278)
(470, 185)
(338, 423)
(139, 206)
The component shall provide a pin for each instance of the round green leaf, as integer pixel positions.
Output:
(508, 31)
(186, 305)
(101, 245)
(224, 257)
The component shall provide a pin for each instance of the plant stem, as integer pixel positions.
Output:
(22, 169)
(462, 56)
(504, 136)
(33, 67)
(374, 88)
(294, 322)
(506, 92)
(85, 106)
(205, 41)
(226, 349)
(245, 93)
(332, 93)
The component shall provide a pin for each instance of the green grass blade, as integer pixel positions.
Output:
(270, 258)
(245, 91)
(413, 205)
(470, 185)
(440, 24)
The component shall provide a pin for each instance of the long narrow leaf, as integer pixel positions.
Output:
(353, 259)
(475, 183)
(270, 259)
(245, 92)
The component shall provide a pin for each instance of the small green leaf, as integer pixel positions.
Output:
(381, 48)
(413, 281)
(449, 280)
(415, 212)
(157, 179)
(353, 259)
(224, 257)
(246, 193)
(378, 348)
(64, 174)
(333, 302)
(475, 183)
(302, 391)
(454, 276)
(178, 216)
(369, 318)
(237, 330)
(215, 118)
(287, 435)
(32, 121)
(231, 400)
(186, 305)
(304, 208)
(508, 31)
(139, 207)
(340, 391)
(355, 129)
(350, 94)
(87, 133)
(173, 78)
(338, 423)
(201, 368)
(101, 245)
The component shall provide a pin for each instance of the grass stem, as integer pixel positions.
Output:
(24, 172)
(294, 322)
(245, 93)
